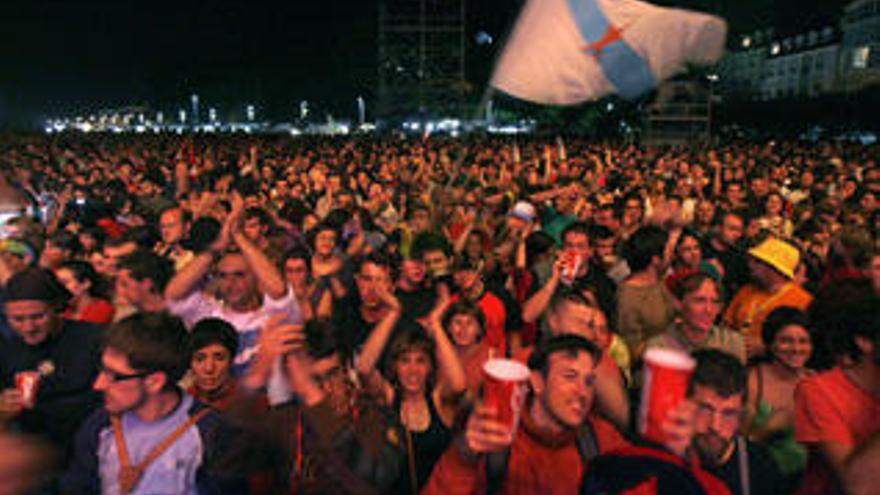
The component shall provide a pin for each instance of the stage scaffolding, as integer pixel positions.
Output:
(421, 59)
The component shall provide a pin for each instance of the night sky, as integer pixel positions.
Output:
(63, 57)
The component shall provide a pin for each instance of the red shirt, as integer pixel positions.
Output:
(99, 311)
(540, 463)
(829, 407)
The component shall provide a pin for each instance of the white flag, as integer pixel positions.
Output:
(570, 51)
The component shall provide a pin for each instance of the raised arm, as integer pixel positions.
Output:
(535, 306)
(268, 276)
(453, 380)
(188, 278)
(378, 339)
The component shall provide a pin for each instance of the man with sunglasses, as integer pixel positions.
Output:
(48, 365)
(150, 436)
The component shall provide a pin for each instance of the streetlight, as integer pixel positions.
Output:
(194, 99)
(362, 110)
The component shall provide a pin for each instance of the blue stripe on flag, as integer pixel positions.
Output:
(628, 71)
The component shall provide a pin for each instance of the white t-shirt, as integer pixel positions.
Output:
(198, 306)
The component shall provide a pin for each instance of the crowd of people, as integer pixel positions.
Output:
(197, 314)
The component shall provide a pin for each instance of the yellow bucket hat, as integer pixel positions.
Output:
(779, 254)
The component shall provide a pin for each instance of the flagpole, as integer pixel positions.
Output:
(484, 101)
(489, 91)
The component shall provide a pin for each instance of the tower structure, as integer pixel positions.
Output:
(421, 58)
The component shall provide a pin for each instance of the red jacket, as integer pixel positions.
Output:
(540, 463)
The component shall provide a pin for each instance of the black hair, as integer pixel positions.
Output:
(260, 214)
(842, 312)
(538, 243)
(465, 307)
(646, 243)
(601, 232)
(213, 331)
(145, 236)
(429, 241)
(154, 342)
(577, 228)
(65, 240)
(569, 343)
(146, 265)
(298, 252)
(203, 232)
(324, 340)
(780, 318)
(82, 271)
(719, 371)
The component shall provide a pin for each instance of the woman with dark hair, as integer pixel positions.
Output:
(212, 345)
(772, 383)
(424, 384)
(88, 301)
(688, 252)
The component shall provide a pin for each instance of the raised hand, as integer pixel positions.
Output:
(279, 338)
(678, 427)
(485, 433)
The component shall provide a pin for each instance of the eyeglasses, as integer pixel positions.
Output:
(115, 376)
(728, 415)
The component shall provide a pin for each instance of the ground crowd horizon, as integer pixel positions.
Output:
(260, 314)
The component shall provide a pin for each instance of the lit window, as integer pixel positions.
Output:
(861, 55)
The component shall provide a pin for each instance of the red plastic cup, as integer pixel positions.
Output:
(505, 389)
(572, 265)
(667, 375)
(27, 382)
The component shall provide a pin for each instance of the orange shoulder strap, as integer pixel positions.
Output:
(129, 475)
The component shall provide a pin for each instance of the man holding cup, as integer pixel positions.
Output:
(551, 448)
(48, 366)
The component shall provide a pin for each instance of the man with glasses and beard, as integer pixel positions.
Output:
(718, 388)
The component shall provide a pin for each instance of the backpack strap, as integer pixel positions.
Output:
(130, 475)
(496, 470)
(588, 448)
(743, 460)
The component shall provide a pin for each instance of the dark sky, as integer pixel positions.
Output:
(61, 57)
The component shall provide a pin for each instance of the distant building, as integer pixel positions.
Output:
(828, 60)
(767, 68)
(860, 45)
